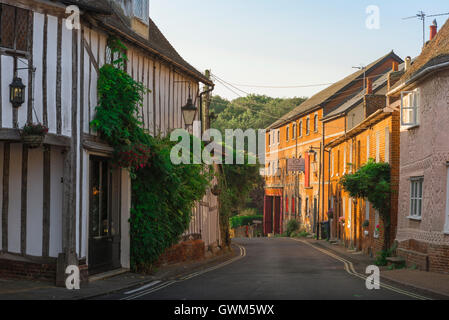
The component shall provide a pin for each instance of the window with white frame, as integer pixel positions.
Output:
(344, 161)
(279, 136)
(387, 145)
(332, 163)
(377, 146)
(410, 108)
(308, 126)
(315, 123)
(300, 128)
(351, 150)
(288, 133)
(416, 197)
(294, 131)
(368, 151)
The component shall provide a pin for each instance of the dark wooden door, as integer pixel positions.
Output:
(104, 216)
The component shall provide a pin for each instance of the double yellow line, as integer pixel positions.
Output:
(349, 267)
(188, 277)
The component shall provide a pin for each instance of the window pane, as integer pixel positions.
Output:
(22, 29)
(7, 26)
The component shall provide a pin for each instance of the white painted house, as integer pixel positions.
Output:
(50, 215)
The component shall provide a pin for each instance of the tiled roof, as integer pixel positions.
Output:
(378, 84)
(326, 94)
(435, 52)
(111, 16)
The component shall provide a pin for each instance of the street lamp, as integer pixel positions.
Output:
(17, 92)
(189, 112)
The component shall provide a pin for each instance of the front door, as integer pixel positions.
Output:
(104, 216)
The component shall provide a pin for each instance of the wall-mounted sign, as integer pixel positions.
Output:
(296, 165)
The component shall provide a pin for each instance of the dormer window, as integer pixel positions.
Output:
(141, 10)
(410, 108)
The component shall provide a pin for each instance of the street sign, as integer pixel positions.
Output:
(295, 165)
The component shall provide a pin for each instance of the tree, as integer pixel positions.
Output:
(373, 182)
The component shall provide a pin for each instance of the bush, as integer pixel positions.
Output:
(292, 226)
(240, 221)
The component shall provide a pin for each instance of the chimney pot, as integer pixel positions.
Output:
(408, 63)
(433, 30)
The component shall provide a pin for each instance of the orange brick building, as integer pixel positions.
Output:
(302, 134)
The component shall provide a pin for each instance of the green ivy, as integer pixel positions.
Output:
(372, 182)
(163, 194)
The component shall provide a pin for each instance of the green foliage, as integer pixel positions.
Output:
(251, 112)
(382, 256)
(159, 216)
(372, 182)
(241, 221)
(292, 227)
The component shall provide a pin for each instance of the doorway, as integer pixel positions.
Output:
(104, 216)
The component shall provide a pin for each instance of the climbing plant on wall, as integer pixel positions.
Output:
(163, 194)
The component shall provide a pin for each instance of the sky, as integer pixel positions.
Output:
(284, 43)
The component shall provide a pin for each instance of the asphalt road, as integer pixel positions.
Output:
(271, 269)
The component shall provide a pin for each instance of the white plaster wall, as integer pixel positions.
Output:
(66, 79)
(15, 184)
(7, 77)
(57, 161)
(1, 189)
(51, 72)
(38, 39)
(35, 196)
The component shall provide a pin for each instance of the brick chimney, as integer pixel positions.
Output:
(369, 86)
(433, 30)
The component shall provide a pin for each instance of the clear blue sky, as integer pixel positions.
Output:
(289, 42)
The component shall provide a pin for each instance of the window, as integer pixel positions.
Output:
(308, 126)
(377, 225)
(368, 150)
(279, 136)
(332, 163)
(349, 212)
(409, 108)
(288, 133)
(141, 10)
(344, 161)
(269, 139)
(294, 131)
(307, 207)
(338, 162)
(14, 23)
(300, 129)
(378, 147)
(387, 145)
(351, 150)
(416, 196)
(315, 123)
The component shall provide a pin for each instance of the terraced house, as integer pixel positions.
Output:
(63, 203)
(299, 190)
(422, 94)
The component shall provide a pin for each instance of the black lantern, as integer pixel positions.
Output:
(189, 112)
(17, 92)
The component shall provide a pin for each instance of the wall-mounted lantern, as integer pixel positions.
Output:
(189, 112)
(17, 92)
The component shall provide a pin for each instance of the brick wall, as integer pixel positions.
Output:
(11, 269)
(185, 251)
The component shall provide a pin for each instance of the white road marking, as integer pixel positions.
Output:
(349, 267)
(152, 284)
(188, 277)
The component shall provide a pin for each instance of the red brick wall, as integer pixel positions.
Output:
(26, 270)
(183, 252)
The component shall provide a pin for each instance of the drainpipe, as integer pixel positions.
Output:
(203, 126)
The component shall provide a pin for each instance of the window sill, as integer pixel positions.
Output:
(410, 127)
(415, 218)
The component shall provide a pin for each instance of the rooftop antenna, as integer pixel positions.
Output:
(421, 15)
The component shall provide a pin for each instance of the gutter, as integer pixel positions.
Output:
(422, 74)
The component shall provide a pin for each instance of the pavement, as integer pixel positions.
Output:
(257, 269)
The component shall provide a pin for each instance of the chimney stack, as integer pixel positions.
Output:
(433, 30)
(408, 63)
(395, 66)
(369, 86)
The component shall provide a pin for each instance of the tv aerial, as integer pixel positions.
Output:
(421, 15)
